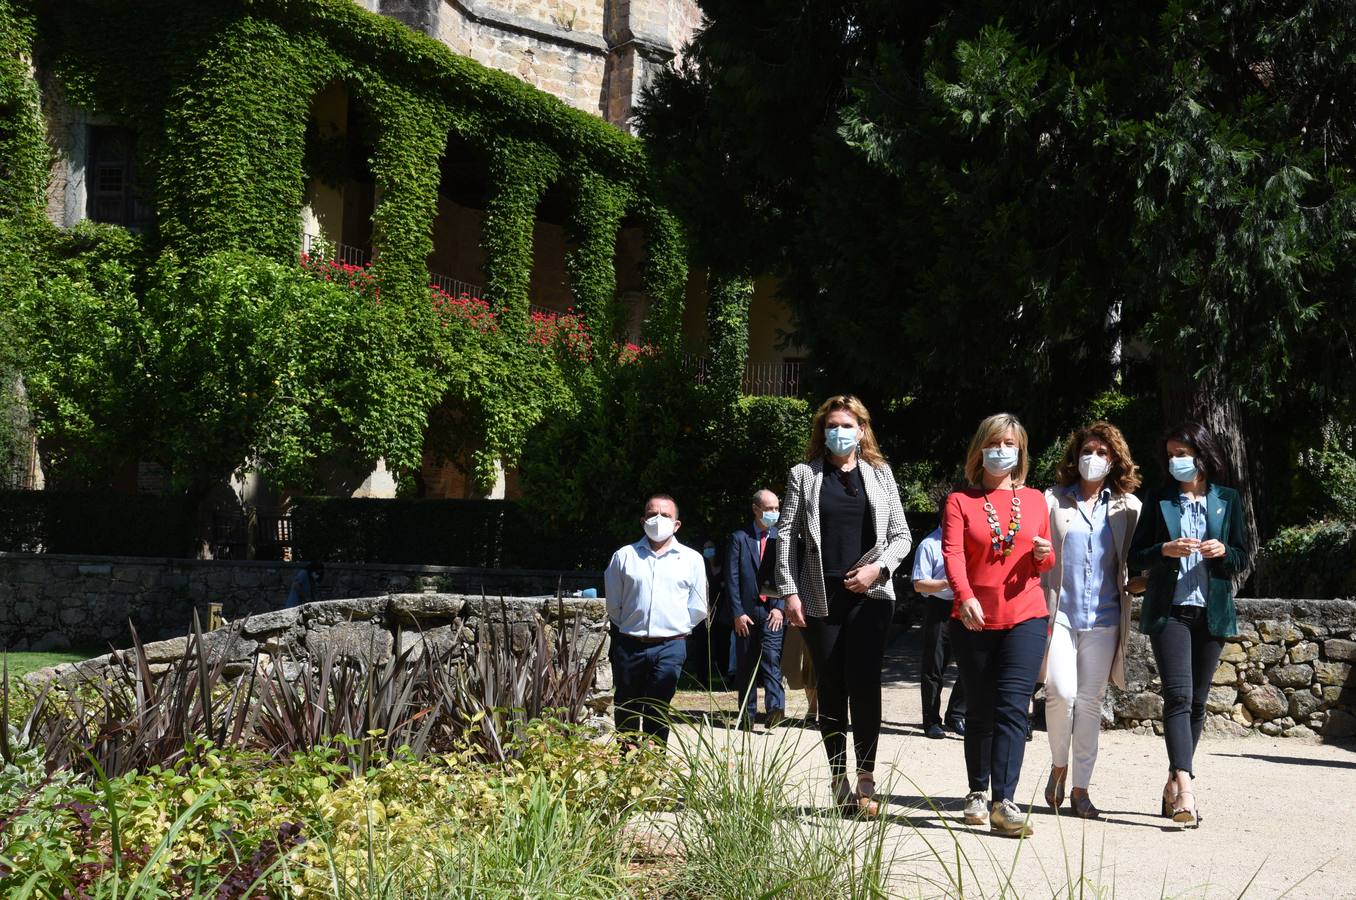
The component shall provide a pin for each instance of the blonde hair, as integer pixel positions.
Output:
(1124, 475)
(867, 448)
(993, 427)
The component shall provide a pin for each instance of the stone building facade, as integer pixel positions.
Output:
(595, 55)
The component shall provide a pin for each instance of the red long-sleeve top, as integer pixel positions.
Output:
(1008, 588)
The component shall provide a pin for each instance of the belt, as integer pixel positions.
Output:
(653, 640)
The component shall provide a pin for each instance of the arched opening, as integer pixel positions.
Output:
(550, 284)
(456, 264)
(340, 186)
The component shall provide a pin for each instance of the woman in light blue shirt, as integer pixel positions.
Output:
(1192, 542)
(1093, 513)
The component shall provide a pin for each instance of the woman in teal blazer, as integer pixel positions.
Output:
(1190, 539)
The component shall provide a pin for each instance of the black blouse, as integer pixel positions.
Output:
(846, 528)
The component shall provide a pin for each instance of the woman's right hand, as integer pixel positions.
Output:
(971, 614)
(795, 613)
(1182, 547)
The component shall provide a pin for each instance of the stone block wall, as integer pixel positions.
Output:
(370, 628)
(1287, 673)
(52, 601)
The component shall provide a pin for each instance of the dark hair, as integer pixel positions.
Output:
(1209, 459)
(662, 497)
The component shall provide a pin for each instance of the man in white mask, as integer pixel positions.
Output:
(656, 595)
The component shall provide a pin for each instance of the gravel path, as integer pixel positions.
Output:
(1275, 812)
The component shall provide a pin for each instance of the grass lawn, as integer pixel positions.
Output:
(22, 663)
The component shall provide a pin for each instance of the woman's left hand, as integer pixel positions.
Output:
(862, 579)
(1041, 548)
(1212, 549)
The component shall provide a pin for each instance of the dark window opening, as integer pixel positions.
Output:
(111, 179)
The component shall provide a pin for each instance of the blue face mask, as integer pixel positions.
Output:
(841, 440)
(1000, 460)
(709, 552)
(1183, 468)
(770, 518)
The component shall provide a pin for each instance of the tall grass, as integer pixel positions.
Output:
(748, 824)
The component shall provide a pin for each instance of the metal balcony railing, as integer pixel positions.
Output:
(779, 379)
(347, 254)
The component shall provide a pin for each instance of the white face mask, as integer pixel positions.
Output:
(659, 528)
(1093, 467)
(1000, 460)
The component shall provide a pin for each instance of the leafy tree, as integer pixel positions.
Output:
(977, 205)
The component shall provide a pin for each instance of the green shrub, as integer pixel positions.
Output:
(1316, 560)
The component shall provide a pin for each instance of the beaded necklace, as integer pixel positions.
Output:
(1002, 543)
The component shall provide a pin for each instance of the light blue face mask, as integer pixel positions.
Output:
(770, 518)
(1183, 468)
(1000, 460)
(841, 439)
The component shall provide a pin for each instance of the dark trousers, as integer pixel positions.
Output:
(999, 668)
(645, 677)
(1187, 654)
(936, 657)
(760, 664)
(847, 647)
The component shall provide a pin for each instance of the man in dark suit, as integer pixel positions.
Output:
(758, 618)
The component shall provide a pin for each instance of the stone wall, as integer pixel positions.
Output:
(594, 55)
(1288, 673)
(53, 601)
(369, 628)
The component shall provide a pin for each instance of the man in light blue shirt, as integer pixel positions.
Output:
(929, 580)
(656, 595)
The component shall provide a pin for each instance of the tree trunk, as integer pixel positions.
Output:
(1208, 399)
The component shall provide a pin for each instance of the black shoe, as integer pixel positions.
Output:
(955, 726)
(774, 718)
(934, 731)
(745, 723)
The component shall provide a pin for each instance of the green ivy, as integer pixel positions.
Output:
(594, 222)
(727, 325)
(220, 97)
(23, 152)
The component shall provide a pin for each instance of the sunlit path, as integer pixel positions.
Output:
(1272, 811)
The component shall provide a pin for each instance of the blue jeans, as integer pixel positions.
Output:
(999, 668)
(760, 663)
(645, 677)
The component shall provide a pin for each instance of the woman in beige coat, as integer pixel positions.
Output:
(1093, 513)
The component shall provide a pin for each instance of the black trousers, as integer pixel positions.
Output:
(936, 656)
(1187, 654)
(999, 668)
(848, 647)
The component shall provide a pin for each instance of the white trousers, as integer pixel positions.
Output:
(1075, 679)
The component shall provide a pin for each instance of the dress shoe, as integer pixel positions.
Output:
(935, 731)
(956, 726)
(774, 718)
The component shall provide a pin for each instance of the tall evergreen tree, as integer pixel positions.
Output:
(976, 205)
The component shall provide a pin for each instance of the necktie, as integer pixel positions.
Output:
(762, 548)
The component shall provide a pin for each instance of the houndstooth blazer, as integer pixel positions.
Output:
(799, 525)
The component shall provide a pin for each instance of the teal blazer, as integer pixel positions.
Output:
(1160, 522)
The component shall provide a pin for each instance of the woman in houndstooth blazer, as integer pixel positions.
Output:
(842, 512)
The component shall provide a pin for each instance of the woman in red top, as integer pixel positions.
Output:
(996, 544)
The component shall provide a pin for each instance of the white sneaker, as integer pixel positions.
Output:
(1006, 818)
(976, 808)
